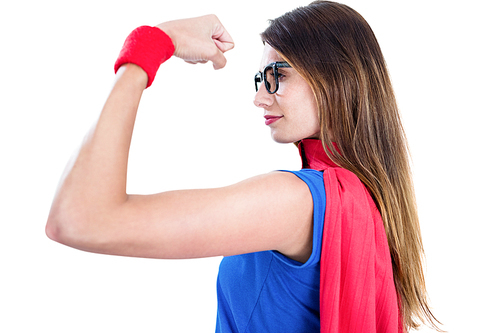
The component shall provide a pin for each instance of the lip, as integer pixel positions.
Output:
(272, 119)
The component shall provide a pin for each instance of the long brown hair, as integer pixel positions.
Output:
(336, 52)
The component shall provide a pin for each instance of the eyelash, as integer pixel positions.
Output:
(280, 75)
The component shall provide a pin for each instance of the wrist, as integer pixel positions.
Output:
(146, 47)
(134, 74)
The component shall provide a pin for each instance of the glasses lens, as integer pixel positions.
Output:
(270, 78)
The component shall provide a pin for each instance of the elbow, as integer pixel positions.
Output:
(56, 229)
(85, 224)
(75, 227)
(51, 230)
(65, 226)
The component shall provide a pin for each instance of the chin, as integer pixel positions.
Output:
(284, 138)
(287, 138)
(282, 141)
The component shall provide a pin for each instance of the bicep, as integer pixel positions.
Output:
(268, 212)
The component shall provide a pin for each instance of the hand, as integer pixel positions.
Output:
(199, 40)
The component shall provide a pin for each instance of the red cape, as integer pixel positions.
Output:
(357, 291)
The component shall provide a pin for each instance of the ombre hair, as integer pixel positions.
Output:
(334, 49)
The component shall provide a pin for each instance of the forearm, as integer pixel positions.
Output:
(96, 181)
(104, 155)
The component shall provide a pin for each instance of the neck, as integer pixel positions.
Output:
(314, 156)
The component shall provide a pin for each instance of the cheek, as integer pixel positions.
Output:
(307, 110)
(310, 127)
(299, 107)
(302, 120)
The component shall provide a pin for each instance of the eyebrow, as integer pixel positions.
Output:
(277, 61)
(280, 64)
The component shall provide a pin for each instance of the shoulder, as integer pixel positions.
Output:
(287, 188)
(302, 195)
(309, 176)
(284, 180)
(279, 208)
(313, 179)
(282, 186)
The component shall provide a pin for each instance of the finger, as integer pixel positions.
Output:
(222, 38)
(224, 47)
(218, 59)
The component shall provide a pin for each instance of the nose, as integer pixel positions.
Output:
(263, 99)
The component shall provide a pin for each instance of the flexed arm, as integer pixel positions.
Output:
(93, 212)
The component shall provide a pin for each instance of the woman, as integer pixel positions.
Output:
(339, 237)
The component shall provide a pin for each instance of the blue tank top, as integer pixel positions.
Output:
(269, 292)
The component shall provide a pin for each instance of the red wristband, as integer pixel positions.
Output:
(147, 47)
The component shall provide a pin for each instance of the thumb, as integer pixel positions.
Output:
(224, 43)
(219, 60)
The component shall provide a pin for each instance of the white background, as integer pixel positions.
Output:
(198, 128)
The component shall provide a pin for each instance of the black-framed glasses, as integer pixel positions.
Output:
(270, 76)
